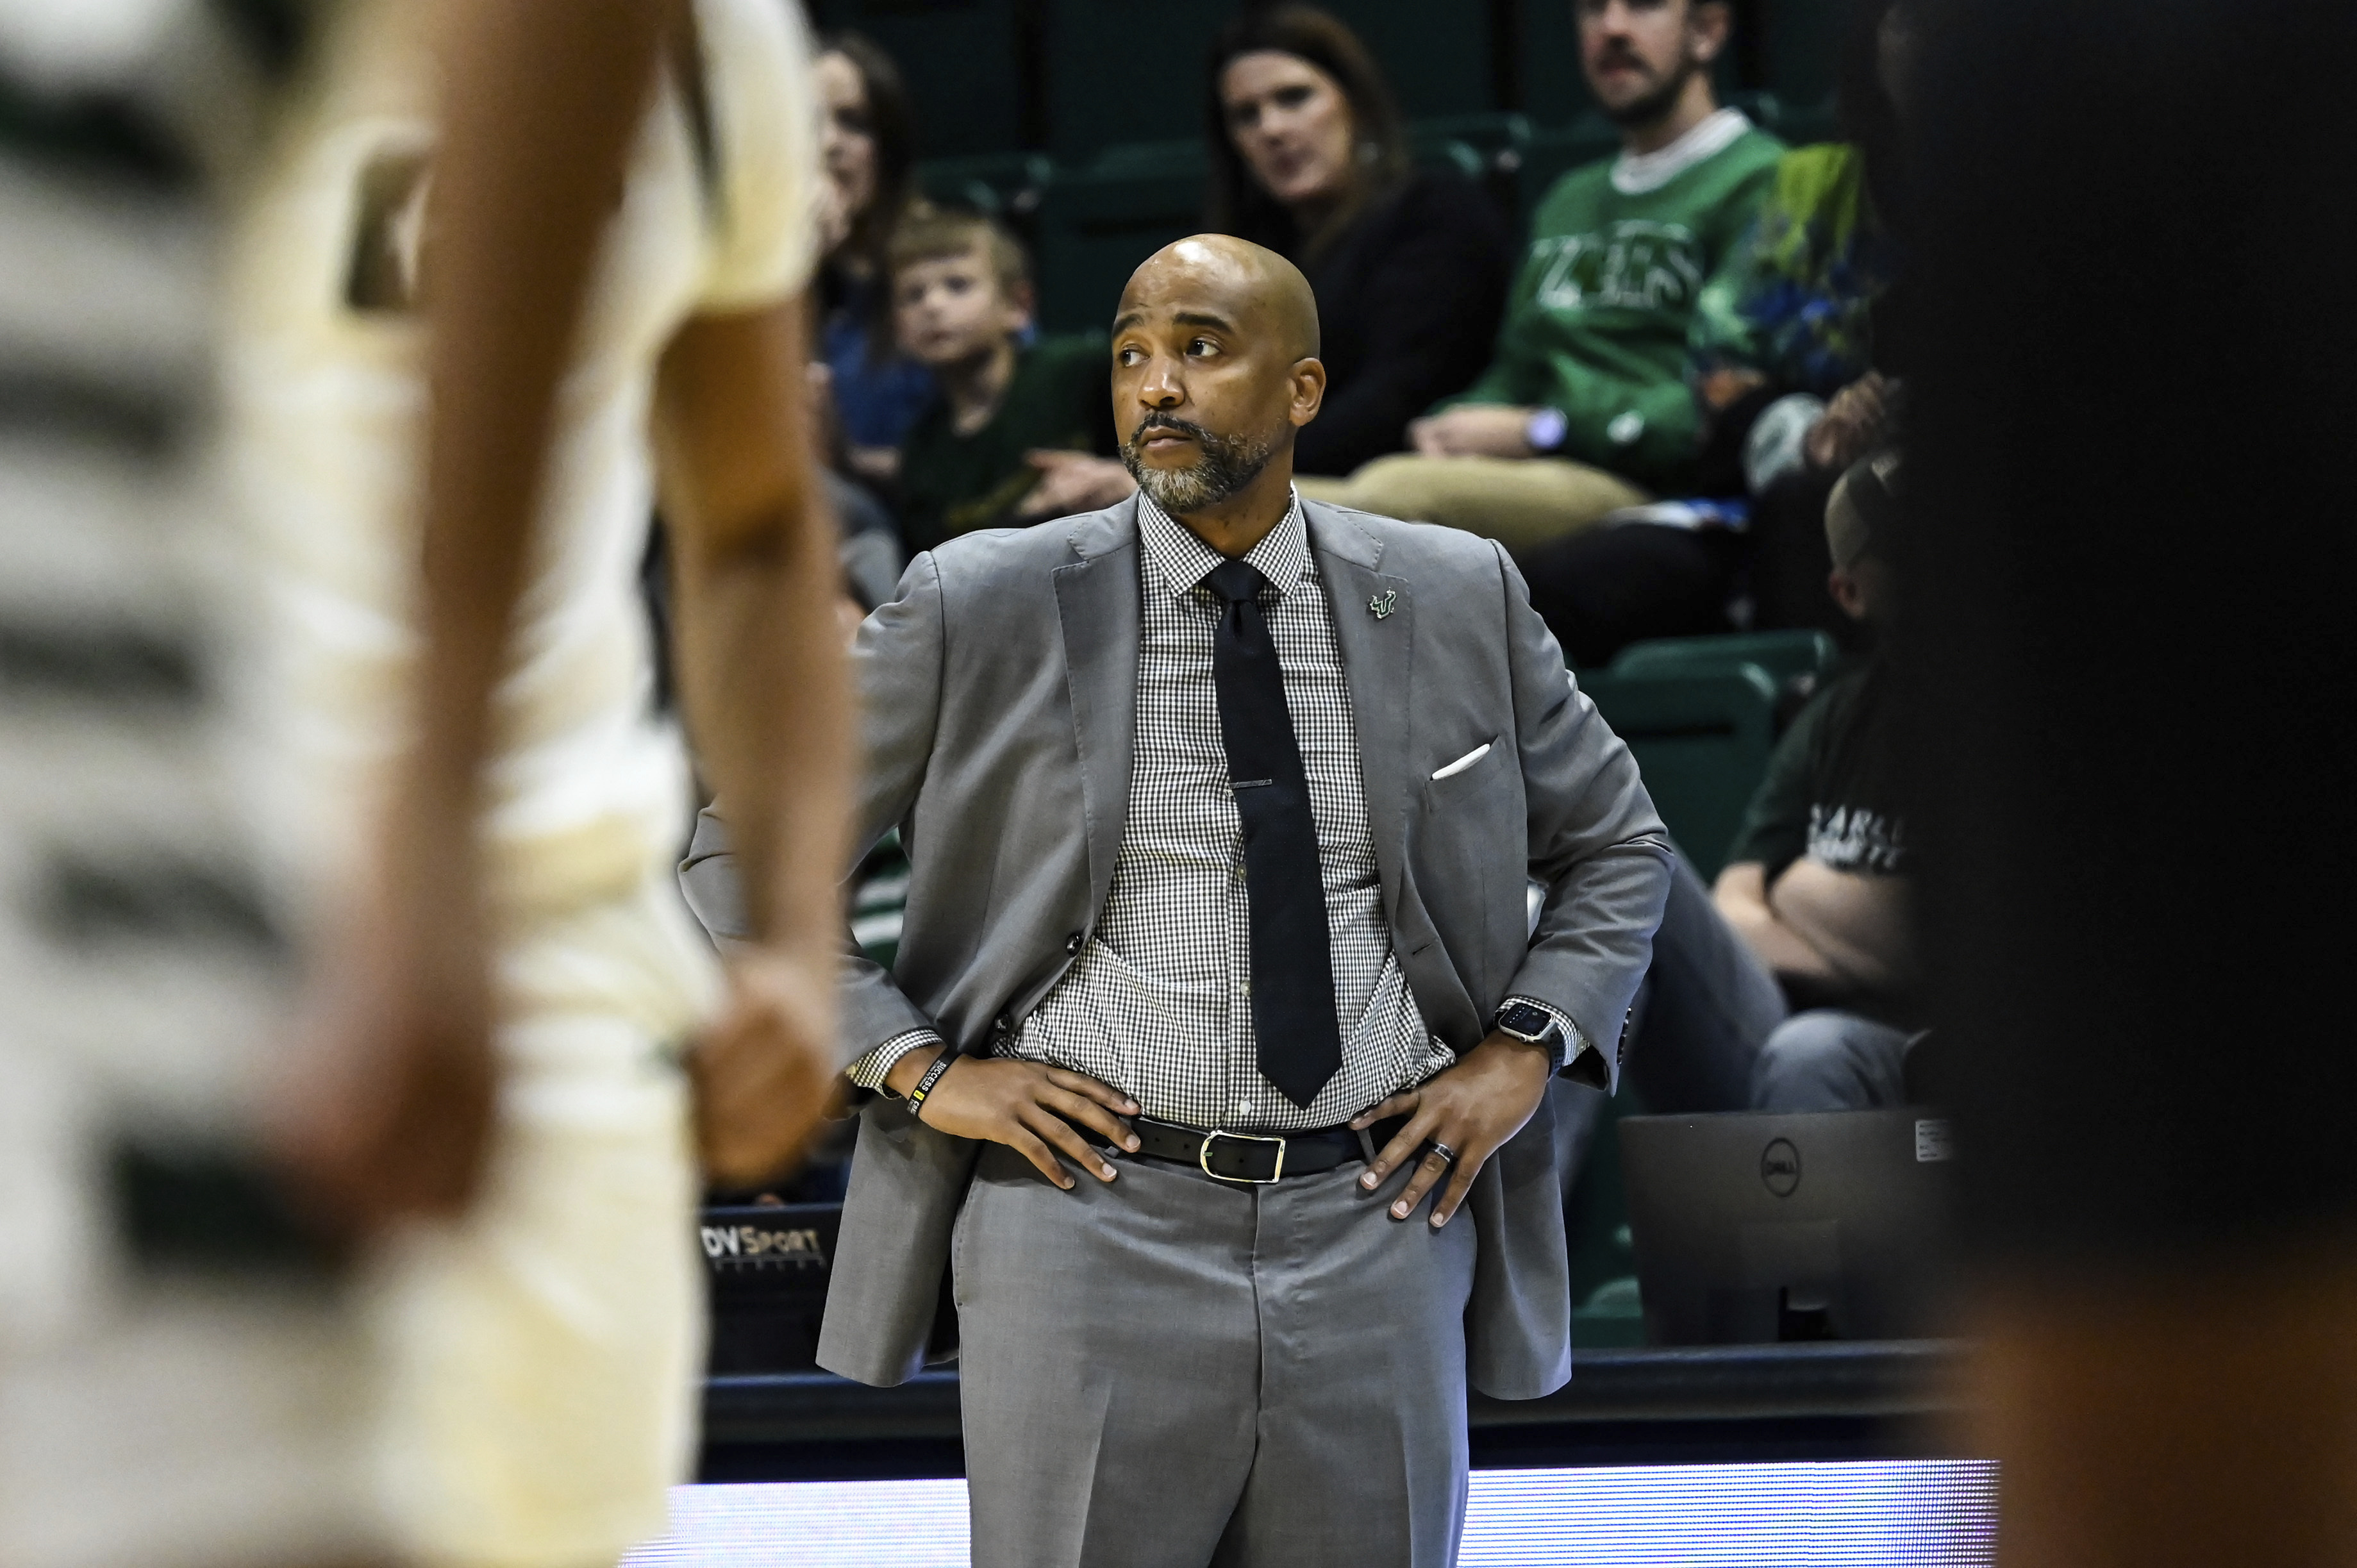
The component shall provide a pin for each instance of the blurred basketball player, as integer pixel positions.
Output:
(545, 1347)
(178, 1380)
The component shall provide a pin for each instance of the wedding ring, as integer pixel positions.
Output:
(1444, 1151)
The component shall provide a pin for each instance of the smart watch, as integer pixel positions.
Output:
(1533, 1024)
(1546, 429)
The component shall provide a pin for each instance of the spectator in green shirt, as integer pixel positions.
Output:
(995, 446)
(1798, 350)
(1584, 407)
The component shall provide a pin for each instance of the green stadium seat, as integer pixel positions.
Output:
(1785, 655)
(1488, 149)
(1605, 1313)
(1187, 157)
(1097, 223)
(1007, 186)
(1447, 153)
(1498, 140)
(1701, 740)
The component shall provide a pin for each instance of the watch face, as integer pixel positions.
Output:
(1545, 429)
(1523, 1019)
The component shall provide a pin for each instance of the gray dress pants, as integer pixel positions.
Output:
(1175, 1372)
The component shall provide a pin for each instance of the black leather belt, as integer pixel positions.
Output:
(1257, 1158)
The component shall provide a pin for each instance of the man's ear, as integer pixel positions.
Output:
(1847, 594)
(1308, 379)
(1709, 23)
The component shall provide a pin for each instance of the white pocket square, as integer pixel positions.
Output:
(1463, 762)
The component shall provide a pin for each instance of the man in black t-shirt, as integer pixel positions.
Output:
(1810, 911)
(1817, 884)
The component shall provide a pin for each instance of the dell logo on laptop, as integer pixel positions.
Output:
(1779, 1167)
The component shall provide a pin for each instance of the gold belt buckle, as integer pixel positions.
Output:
(1203, 1159)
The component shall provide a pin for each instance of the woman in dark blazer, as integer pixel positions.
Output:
(1410, 266)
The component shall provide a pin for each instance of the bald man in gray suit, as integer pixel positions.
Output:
(1221, 810)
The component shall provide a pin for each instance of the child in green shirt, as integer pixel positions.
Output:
(962, 307)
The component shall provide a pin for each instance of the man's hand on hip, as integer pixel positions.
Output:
(1472, 1110)
(765, 1072)
(1027, 1106)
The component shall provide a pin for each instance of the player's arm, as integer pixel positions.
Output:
(762, 676)
(541, 100)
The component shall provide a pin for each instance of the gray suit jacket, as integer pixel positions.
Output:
(999, 694)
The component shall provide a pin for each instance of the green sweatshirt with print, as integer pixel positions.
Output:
(1597, 326)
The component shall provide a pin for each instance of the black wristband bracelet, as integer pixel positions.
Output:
(925, 1084)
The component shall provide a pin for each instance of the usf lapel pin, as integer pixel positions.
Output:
(1382, 603)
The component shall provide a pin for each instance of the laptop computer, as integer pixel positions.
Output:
(1755, 1228)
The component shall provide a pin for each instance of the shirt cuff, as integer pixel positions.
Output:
(1581, 1061)
(870, 1070)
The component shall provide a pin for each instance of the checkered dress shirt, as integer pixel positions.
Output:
(1159, 1003)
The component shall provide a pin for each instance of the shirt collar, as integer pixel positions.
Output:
(1282, 555)
(1633, 174)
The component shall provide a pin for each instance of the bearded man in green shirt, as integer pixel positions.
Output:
(1585, 406)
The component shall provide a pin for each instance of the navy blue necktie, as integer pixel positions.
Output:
(1292, 962)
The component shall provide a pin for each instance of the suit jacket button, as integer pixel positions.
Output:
(1073, 943)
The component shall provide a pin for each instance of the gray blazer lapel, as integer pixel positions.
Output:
(1097, 604)
(1374, 627)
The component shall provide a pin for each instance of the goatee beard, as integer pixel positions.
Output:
(1228, 464)
(1654, 106)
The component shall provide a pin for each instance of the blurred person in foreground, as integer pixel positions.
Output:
(2154, 1133)
(1410, 266)
(181, 1380)
(1019, 428)
(1218, 805)
(1584, 407)
(469, 741)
